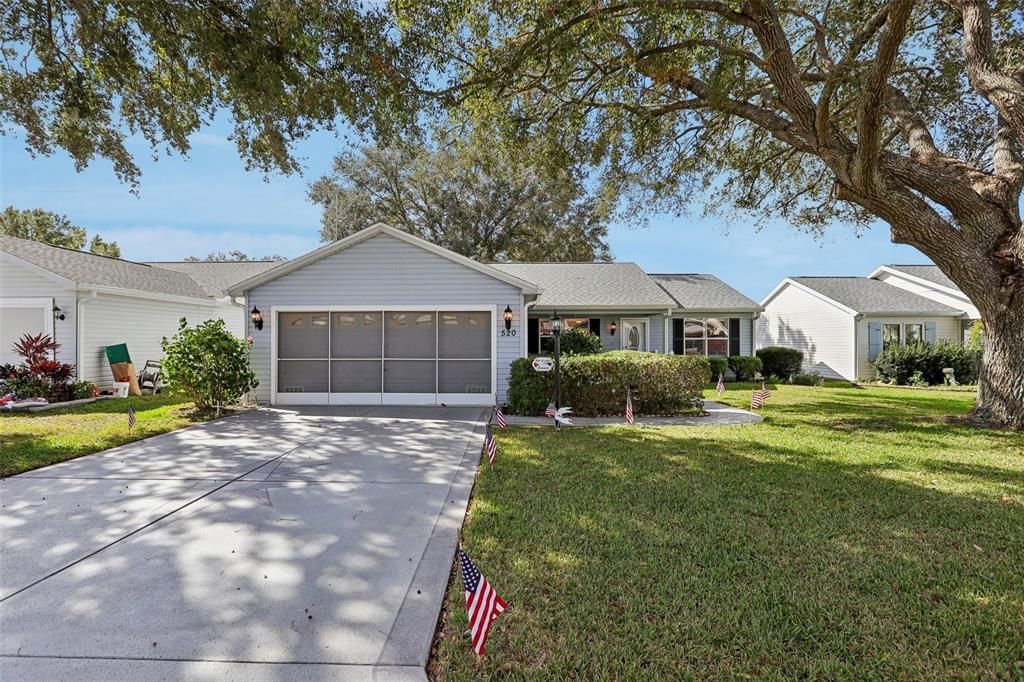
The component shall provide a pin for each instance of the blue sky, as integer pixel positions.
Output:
(209, 202)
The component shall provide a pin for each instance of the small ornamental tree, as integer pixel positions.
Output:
(580, 341)
(208, 363)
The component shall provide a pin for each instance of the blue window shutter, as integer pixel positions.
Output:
(874, 339)
(929, 332)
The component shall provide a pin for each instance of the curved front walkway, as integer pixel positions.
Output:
(299, 544)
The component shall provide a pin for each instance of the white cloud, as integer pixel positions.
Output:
(172, 243)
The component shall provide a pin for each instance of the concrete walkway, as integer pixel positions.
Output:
(275, 545)
(718, 414)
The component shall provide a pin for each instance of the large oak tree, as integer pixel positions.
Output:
(903, 110)
(908, 111)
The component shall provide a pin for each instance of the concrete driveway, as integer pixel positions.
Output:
(302, 544)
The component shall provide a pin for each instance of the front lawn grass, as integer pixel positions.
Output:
(32, 440)
(858, 533)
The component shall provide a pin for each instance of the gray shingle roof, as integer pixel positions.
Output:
(930, 273)
(590, 285)
(215, 277)
(86, 268)
(704, 292)
(871, 296)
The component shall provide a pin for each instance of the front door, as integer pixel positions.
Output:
(634, 334)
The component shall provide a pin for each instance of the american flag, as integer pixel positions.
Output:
(131, 416)
(550, 411)
(629, 408)
(490, 444)
(483, 605)
(721, 384)
(759, 397)
(499, 417)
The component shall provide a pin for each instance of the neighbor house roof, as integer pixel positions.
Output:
(873, 297)
(591, 285)
(87, 269)
(704, 292)
(929, 273)
(217, 276)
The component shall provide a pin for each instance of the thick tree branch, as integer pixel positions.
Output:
(1006, 160)
(873, 93)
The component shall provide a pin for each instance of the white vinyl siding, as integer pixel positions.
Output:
(17, 281)
(798, 319)
(928, 292)
(947, 328)
(386, 271)
(140, 323)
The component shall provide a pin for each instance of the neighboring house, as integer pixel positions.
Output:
(928, 281)
(87, 302)
(385, 317)
(842, 323)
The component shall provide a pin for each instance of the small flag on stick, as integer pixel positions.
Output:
(720, 387)
(629, 408)
(759, 397)
(550, 411)
(499, 417)
(491, 445)
(131, 416)
(483, 605)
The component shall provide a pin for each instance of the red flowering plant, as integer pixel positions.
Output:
(40, 375)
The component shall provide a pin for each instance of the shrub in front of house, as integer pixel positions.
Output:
(39, 375)
(208, 363)
(596, 385)
(922, 363)
(780, 362)
(744, 366)
(718, 366)
(805, 378)
(580, 341)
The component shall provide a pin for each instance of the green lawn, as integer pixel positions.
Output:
(29, 441)
(855, 534)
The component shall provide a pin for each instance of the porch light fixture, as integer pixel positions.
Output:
(257, 318)
(508, 318)
(556, 323)
(58, 314)
(612, 328)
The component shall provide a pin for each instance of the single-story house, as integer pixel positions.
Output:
(383, 317)
(87, 302)
(928, 281)
(842, 323)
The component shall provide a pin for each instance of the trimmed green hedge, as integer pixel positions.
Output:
(779, 361)
(595, 385)
(745, 366)
(899, 364)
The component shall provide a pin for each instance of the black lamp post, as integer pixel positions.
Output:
(556, 331)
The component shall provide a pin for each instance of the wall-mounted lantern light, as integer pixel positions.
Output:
(257, 318)
(508, 317)
(612, 328)
(58, 314)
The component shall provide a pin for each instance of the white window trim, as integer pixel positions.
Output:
(706, 338)
(647, 332)
(380, 398)
(45, 304)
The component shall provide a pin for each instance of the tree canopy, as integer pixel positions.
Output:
(479, 202)
(233, 256)
(52, 228)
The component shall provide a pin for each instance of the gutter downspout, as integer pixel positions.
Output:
(856, 333)
(666, 332)
(80, 333)
(753, 332)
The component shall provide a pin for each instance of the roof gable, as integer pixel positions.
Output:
(928, 275)
(368, 233)
(697, 291)
(871, 296)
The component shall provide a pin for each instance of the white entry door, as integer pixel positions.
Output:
(634, 334)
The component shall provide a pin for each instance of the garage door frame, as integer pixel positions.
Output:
(309, 398)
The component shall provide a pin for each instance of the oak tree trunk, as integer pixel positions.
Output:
(1001, 384)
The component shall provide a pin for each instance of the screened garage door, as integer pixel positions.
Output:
(384, 356)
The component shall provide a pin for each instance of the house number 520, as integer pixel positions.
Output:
(508, 332)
